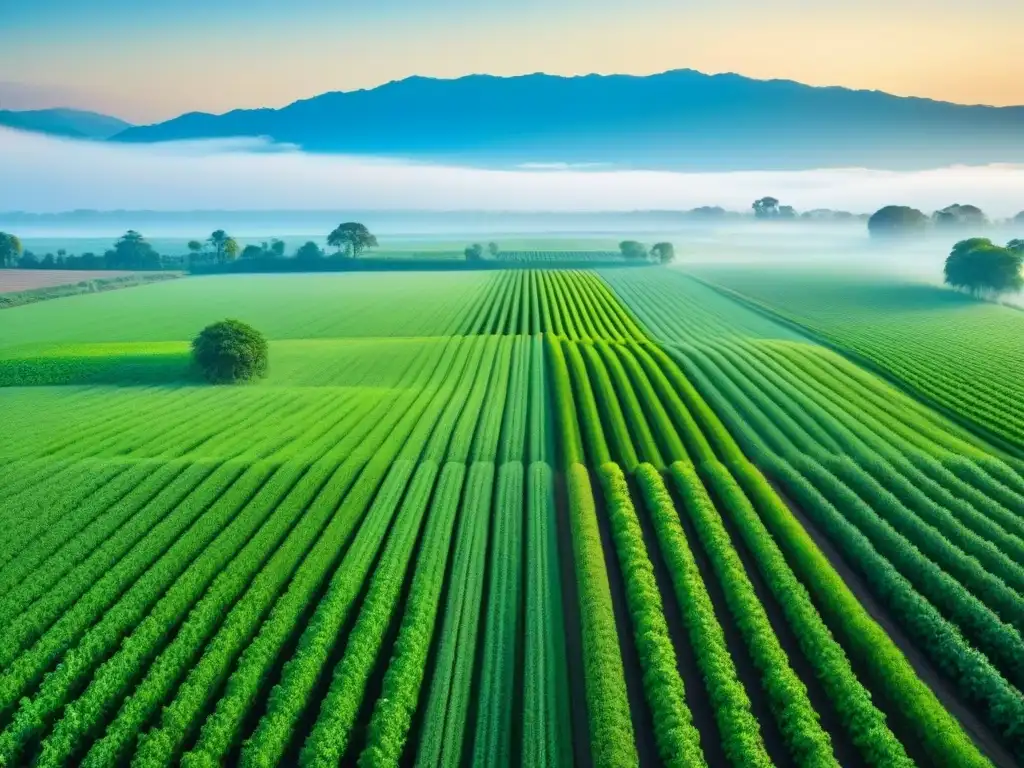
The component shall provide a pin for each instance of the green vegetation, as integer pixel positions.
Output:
(230, 352)
(534, 517)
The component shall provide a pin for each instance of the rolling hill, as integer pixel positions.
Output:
(71, 123)
(680, 119)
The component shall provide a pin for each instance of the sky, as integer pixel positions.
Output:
(45, 175)
(146, 61)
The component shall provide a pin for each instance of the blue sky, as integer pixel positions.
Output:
(148, 60)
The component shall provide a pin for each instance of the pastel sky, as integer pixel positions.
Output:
(149, 60)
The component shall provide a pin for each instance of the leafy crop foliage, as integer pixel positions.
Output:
(230, 352)
(515, 517)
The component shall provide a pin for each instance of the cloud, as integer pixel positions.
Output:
(44, 174)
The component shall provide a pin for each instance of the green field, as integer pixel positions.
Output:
(527, 517)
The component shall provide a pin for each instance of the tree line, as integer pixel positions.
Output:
(129, 252)
(133, 252)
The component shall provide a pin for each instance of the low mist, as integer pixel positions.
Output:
(44, 174)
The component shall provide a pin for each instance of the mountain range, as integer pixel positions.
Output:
(676, 120)
(70, 123)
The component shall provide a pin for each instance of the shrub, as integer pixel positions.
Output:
(230, 352)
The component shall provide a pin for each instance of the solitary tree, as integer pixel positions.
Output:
(230, 352)
(351, 237)
(896, 220)
(766, 208)
(663, 252)
(132, 252)
(493, 249)
(474, 252)
(631, 249)
(309, 253)
(10, 250)
(979, 266)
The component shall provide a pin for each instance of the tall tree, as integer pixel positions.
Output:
(631, 249)
(132, 252)
(663, 252)
(493, 249)
(231, 249)
(217, 241)
(352, 238)
(474, 252)
(10, 250)
(980, 267)
(766, 208)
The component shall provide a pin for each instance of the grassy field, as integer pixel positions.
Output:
(523, 517)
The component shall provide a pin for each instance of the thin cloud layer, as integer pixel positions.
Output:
(44, 174)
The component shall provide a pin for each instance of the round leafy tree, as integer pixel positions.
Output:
(897, 221)
(229, 352)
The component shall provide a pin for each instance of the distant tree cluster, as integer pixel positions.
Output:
(898, 220)
(632, 250)
(351, 240)
(770, 208)
(130, 252)
(957, 215)
(980, 267)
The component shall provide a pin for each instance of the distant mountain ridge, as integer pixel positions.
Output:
(680, 119)
(70, 123)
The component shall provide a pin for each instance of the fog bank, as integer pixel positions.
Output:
(44, 174)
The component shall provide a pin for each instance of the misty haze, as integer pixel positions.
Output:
(511, 385)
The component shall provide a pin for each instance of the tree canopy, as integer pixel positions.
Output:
(351, 238)
(896, 220)
(663, 252)
(493, 249)
(957, 215)
(230, 352)
(978, 266)
(631, 249)
(130, 252)
(10, 250)
(766, 208)
(309, 252)
(474, 252)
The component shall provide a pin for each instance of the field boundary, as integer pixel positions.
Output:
(290, 266)
(94, 285)
(974, 428)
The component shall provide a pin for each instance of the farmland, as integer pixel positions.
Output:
(12, 280)
(529, 517)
